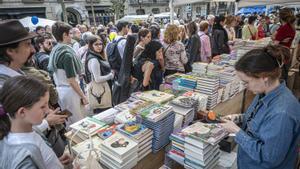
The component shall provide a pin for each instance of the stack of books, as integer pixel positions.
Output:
(209, 85)
(119, 152)
(214, 70)
(227, 75)
(87, 126)
(188, 82)
(161, 120)
(201, 100)
(130, 104)
(153, 96)
(107, 116)
(177, 150)
(139, 133)
(107, 132)
(201, 148)
(184, 106)
(169, 79)
(200, 68)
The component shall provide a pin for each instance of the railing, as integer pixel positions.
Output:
(148, 2)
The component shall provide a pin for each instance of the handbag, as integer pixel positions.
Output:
(99, 95)
(253, 37)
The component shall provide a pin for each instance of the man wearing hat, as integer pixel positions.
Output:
(15, 50)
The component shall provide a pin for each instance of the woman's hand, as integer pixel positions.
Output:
(231, 127)
(236, 118)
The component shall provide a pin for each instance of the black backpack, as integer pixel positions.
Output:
(113, 55)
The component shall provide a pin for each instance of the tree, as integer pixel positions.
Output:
(118, 8)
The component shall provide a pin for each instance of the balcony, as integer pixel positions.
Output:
(148, 2)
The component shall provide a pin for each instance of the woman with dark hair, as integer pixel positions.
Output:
(193, 46)
(270, 133)
(144, 37)
(249, 31)
(219, 37)
(23, 104)
(98, 76)
(147, 68)
(286, 32)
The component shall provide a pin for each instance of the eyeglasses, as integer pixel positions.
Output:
(98, 44)
(49, 43)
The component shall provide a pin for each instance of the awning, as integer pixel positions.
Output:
(245, 3)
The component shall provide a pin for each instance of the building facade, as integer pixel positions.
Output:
(78, 11)
(141, 7)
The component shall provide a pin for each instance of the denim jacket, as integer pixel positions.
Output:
(271, 138)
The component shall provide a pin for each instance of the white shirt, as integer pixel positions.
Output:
(48, 155)
(94, 68)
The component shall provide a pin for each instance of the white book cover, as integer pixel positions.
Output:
(124, 117)
(156, 96)
(83, 148)
(120, 145)
(88, 125)
(107, 115)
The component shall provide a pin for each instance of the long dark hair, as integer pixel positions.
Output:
(142, 34)
(264, 62)
(217, 26)
(17, 92)
(91, 40)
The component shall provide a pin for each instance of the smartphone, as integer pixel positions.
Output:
(65, 112)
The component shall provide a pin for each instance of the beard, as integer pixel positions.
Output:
(47, 50)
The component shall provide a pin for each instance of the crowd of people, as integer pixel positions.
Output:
(86, 70)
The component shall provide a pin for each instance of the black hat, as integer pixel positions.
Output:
(12, 31)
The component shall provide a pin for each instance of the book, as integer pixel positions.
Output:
(155, 96)
(88, 125)
(208, 133)
(155, 112)
(133, 129)
(107, 116)
(200, 155)
(107, 132)
(208, 162)
(83, 148)
(120, 145)
(128, 105)
(144, 153)
(124, 117)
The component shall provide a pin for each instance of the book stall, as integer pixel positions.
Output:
(178, 124)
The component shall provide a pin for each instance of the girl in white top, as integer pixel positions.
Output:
(24, 102)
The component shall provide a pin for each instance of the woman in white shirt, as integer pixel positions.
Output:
(98, 76)
(24, 103)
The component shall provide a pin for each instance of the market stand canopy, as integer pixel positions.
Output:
(245, 3)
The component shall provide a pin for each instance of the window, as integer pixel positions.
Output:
(140, 11)
(198, 9)
(155, 11)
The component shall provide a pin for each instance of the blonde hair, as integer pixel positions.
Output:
(171, 33)
(229, 19)
(203, 25)
(183, 35)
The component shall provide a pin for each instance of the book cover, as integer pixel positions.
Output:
(107, 116)
(184, 101)
(128, 105)
(107, 132)
(133, 129)
(156, 96)
(209, 133)
(124, 117)
(155, 112)
(120, 145)
(111, 164)
(84, 147)
(88, 125)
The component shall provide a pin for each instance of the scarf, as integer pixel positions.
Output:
(58, 51)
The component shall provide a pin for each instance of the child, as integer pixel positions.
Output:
(23, 103)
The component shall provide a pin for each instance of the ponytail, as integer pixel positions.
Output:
(4, 123)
